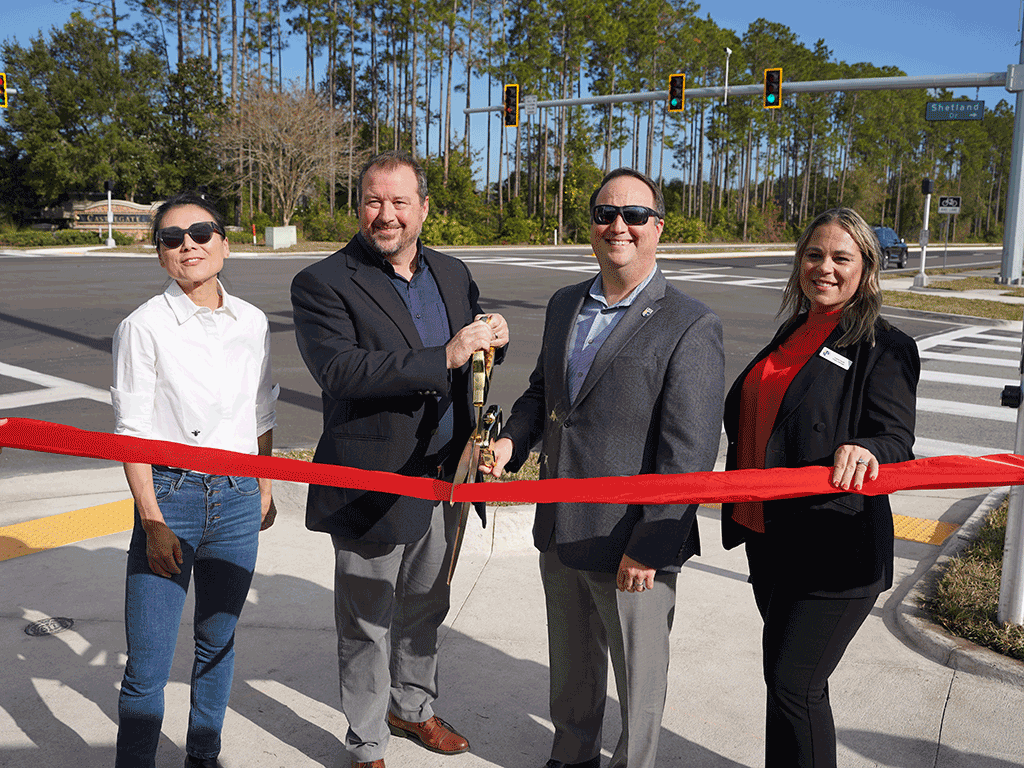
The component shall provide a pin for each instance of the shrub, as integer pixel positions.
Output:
(320, 226)
(240, 237)
(680, 229)
(34, 238)
(439, 230)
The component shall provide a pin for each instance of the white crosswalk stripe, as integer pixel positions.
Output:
(962, 371)
(718, 274)
(52, 389)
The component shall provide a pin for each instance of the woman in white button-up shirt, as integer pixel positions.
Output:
(192, 366)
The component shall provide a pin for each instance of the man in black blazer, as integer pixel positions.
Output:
(387, 327)
(629, 381)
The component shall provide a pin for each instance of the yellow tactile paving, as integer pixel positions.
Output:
(912, 528)
(55, 531)
(921, 530)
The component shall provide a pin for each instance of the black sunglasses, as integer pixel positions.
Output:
(200, 232)
(632, 215)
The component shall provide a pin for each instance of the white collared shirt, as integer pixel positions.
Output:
(192, 375)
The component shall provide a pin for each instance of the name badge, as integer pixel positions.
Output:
(836, 359)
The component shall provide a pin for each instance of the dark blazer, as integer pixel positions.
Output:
(838, 544)
(380, 386)
(651, 403)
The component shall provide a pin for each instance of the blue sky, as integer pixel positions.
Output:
(921, 37)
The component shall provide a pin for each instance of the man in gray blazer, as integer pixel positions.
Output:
(629, 381)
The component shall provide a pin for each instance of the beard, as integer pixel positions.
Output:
(388, 241)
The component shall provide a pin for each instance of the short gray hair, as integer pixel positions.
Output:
(389, 161)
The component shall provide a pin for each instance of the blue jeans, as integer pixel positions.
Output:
(217, 521)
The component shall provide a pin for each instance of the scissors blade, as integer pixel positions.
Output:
(471, 460)
(466, 465)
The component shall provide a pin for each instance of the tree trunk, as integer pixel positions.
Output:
(448, 98)
(351, 101)
(469, 73)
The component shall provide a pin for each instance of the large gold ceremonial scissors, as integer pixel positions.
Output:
(477, 450)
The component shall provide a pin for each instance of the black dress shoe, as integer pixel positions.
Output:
(594, 762)
(195, 762)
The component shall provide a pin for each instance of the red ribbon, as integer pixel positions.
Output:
(691, 488)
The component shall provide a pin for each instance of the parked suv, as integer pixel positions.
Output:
(894, 247)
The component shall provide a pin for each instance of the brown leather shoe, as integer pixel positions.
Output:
(374, 764)
(434, 734)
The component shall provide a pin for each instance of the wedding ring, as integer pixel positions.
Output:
(861, 461)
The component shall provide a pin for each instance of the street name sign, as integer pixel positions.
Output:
(954, 110)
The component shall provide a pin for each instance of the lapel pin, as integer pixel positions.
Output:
(647, 312)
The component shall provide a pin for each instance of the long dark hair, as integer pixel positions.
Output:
(860, 314)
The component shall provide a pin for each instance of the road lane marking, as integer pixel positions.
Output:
(54, 389)
(926, 446)
(943, 357)
(953, 408)
(965, 379)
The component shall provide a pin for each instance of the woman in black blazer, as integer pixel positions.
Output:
(835, 387)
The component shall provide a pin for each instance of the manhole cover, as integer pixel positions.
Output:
(49, 626)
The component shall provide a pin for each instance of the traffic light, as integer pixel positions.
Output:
(676, 92)
(512, 105)
(773, 88)
(3, 90)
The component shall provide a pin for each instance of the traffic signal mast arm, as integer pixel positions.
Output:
(903, 82)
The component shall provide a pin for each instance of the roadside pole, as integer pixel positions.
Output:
(945, 249)
(921, 279)
(1013, 230)
(1011, 584)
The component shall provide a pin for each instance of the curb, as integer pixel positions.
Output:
(934, 641)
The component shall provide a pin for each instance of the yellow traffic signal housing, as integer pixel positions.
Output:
(3, 90)
(512, 105)
(676, 92)
(773, 88)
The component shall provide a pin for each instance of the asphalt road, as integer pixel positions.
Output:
(58, 314)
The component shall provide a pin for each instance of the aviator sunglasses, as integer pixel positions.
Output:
(632, 215)
(200, 232)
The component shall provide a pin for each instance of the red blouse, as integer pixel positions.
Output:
(761, 397)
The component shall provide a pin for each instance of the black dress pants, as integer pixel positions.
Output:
(803, 640)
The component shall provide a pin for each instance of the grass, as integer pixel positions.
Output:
(976, 283)
(302, 454)
(967, 596)
(953, 305)
(930, 272)
(529, 471)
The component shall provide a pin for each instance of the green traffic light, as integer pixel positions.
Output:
(771, 98)
(675, 102)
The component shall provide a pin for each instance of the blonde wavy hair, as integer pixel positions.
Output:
(862, 312)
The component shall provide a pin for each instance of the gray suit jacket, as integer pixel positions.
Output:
(651, 403)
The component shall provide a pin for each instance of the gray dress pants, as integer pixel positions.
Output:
(588, 618)
(389, 600)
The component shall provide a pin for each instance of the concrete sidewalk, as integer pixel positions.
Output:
(895, 703)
